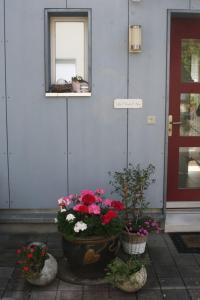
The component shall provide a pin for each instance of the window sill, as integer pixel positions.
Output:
(68, 94)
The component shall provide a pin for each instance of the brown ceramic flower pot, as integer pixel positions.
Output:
(92, 252)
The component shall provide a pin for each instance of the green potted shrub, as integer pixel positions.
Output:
(128, 276)
(130, 184)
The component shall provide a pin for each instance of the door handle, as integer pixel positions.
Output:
(176, 123)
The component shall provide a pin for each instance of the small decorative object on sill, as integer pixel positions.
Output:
(129, 276)
(79, 85)
(84, 87)
(38, 266)
(90, 225)
(130, 184)
(61, 88)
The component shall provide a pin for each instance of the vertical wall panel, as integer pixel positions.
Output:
(195, 4)
(4, 193)
(97, 132)
(37, 126)
(148, 81)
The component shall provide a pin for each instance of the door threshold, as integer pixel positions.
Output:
(183, 204)
(182, 220)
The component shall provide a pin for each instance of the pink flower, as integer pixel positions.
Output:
(61, 202)
(81, 208)
(107, 202)
(86, 192)
(100, 191)
(98, 200)
(67, 200)
(94, 209)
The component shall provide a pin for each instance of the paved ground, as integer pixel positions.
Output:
(171, 275)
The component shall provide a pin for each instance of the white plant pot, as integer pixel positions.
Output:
(47, 274)
(136, 281)
(133, 244)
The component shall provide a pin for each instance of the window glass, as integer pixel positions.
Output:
(190, 60)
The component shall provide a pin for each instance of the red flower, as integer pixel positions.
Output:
(18, 251)
(105, 219)
(25, 268)
(43, 253)
(88, 199)
(81, 208)
(29, 255)
(118, 205)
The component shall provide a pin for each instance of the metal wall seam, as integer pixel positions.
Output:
(6, 103)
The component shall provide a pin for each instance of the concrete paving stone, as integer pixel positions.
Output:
(172, 283)
(18, 284)
(116, 294)
(149, 295)
(197, 258)
(195, 294)
(17, 273)
(175, 294)
(96, 294)
(160, 255)
(53, 286)
(7, 258)
(189, 270)
(65, 286)
(16, 295)
(155, 241)
(3, 282)
(69, 295)
(44, 295)
(185, 259)
(6, 272)
(152, 283)
(166, 271)
(94, 288)
(192, 282)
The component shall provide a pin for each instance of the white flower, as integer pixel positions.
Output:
(70, 217)
(63, 210)
(56, 220)
(80, 226)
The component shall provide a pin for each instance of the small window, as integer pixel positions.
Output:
(67, 51)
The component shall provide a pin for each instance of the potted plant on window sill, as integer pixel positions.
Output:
(131, 184)
(79, 85)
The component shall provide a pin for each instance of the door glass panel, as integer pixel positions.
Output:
(190, 115)
(189, 167)
(190, 60)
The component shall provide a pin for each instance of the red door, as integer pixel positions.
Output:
(184, 111)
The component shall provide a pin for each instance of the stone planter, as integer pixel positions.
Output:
(132, 243)
(135, 282)
(92, 253)
(47, 274)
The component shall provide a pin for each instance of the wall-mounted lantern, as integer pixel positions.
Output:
(135, 38)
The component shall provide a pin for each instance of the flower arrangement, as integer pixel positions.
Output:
(143, 227)
(31, 259)
(89, 213)
(77, 78)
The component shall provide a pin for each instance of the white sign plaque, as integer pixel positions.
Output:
(128, 103)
